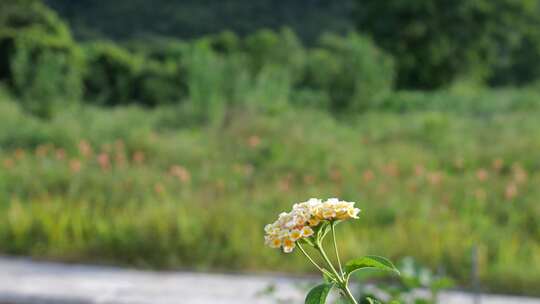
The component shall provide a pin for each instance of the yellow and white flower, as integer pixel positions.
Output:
(307, 231)
(303, 218)
(288, 245)
(273, 242)
(295, 234)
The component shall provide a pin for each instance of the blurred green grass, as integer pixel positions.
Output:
(134, 186)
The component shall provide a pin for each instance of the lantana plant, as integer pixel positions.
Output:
(307, 225)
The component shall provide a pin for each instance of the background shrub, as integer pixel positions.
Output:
(111, 74)
(350, 72)
(226, 42)
(40, 62)
(204, 72)
(159, 83)
(282, 48)
(116, 76)
(519, 66)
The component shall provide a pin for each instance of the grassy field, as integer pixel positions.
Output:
(143, 187)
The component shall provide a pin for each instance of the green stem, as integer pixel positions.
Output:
(335, 247)
(309, 258)
(341, 281)
(349, 294)
(327, 260)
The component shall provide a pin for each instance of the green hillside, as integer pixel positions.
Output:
(124, 19)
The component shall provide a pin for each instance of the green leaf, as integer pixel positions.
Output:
(318, 294)
(370, 262)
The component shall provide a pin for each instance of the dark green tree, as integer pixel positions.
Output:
(126, 19)
(435, 41)
(350, 71)
(39, 60)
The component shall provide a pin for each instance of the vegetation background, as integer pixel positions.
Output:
(165, 134)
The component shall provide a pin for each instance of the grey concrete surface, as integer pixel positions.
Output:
(23, 281)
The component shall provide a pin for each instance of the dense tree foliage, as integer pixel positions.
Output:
(266, 69)
(436, 41)
(121, 19)
(39, 60)
(115, 76)
(351, 72)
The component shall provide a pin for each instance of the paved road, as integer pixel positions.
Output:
(23, 281)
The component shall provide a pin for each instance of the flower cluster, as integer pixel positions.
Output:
(303, 218)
